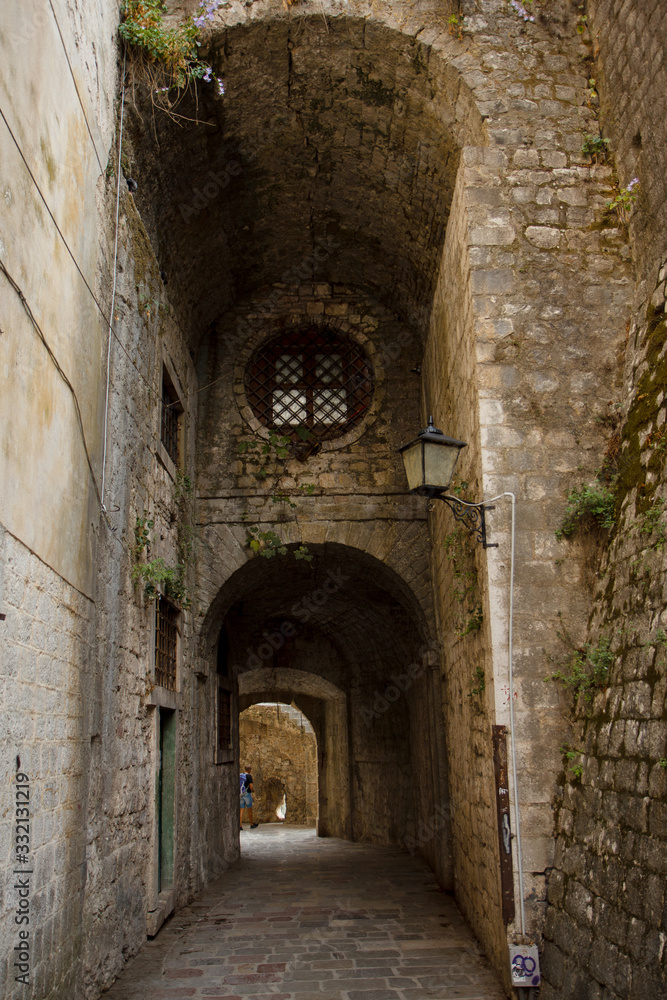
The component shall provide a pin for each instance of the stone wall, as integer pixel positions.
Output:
(628, 58)
(47, 661)
(59, 108)
(338, 218)
(282, 753)
(605, 923)
(528, 363)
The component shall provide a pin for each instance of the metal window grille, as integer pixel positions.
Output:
(166, 640)
(224, 718)
(309, 379)
(171, 410)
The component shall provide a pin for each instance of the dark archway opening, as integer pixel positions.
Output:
(343, 640)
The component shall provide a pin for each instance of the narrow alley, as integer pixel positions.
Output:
(304, 917)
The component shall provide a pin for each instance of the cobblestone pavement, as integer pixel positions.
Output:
(300, 918)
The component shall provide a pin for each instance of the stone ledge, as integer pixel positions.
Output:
(155, 918)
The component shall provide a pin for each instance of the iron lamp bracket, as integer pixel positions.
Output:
(472, 515)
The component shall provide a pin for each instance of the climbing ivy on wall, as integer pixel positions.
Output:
(585, 669)
(272, 452)
(465, 591)
(157, 576)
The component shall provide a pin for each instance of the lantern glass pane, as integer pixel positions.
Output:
(439, 461)
(412, 459)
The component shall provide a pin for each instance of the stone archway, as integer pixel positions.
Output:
(344, 638)
(325, 705)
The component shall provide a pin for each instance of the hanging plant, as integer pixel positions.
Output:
(166, 57)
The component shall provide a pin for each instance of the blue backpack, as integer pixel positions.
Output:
(243, 776)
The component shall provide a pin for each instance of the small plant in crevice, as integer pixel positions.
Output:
(657, 440)
(663, 762)
(624, 202)
(572, 754)
(589, 506)
(477, 683)
(596, 147)
(455, 26)
(586, 669)
(268, 544)
(660, 638)
(519, 9)
(142, 527)
(159, 578)
(650, 524)
(473, 623)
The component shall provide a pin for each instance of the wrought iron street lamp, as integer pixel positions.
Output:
(429, 463)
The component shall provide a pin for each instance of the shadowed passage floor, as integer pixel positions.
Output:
(301, 917)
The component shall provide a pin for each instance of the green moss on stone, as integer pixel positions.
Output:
(145, 264)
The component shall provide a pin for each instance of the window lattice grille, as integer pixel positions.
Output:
(166, 639)
(309, 379)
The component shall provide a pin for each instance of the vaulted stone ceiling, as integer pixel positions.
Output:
(332, 155)
(356, 612)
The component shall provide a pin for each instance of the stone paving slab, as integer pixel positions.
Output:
(303, 918)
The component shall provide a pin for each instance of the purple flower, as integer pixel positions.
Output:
(521, 10)
(633, 183)
(221, 86)
(208, 74)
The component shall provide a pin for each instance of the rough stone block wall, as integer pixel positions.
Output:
(605, 926)
(526, 367)
(283, 755)
(628, 43)
(122, 867)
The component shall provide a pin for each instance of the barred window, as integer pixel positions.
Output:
(166, 644)
(309, 379)
(171, 413)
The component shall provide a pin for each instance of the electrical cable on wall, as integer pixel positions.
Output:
(102, 312)
(83, 110)
(40, 334)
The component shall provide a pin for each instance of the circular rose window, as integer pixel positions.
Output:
(310, 380)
